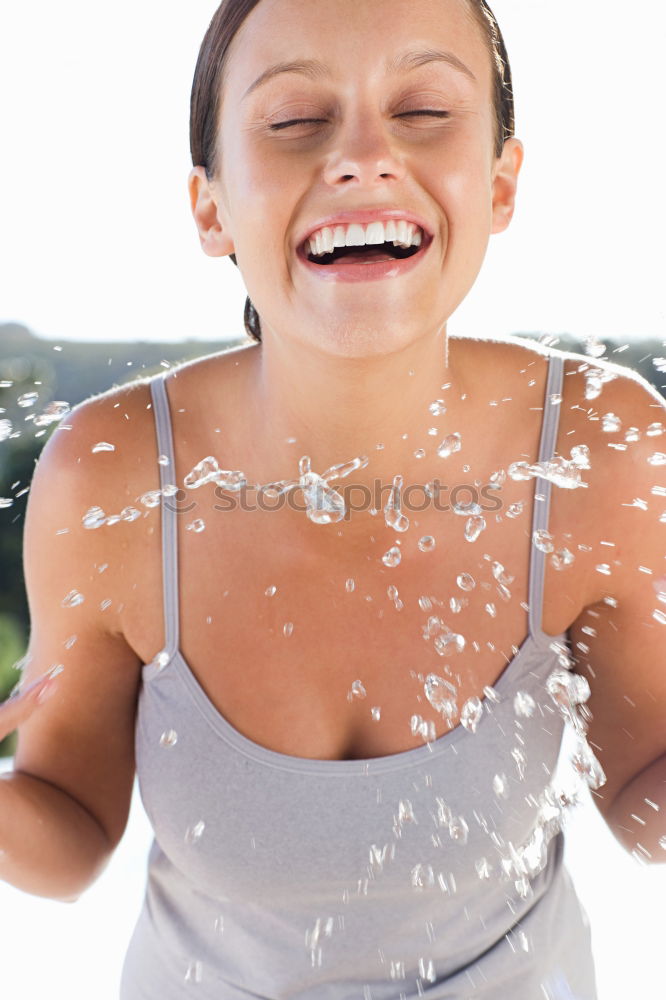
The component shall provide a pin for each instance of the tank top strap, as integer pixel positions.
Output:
(167, 466)
(542, 494)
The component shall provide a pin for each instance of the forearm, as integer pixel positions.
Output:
(49, 844)
(633, 818)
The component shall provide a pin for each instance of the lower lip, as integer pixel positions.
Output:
(360, 271)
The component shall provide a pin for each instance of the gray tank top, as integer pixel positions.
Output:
(435, 872)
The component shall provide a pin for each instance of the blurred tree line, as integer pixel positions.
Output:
(71, 372)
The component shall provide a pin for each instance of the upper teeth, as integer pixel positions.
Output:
(401, 233)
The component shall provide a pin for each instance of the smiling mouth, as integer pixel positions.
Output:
(369, 254)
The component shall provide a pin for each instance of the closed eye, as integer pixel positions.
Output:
(433, 113)
(322, 121)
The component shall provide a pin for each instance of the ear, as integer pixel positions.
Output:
(209, 215)
(505, 184)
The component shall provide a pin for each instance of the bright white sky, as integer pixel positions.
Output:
(96, 236)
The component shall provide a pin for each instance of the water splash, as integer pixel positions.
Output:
(208, 471)
(393, 515)
(52, 414)
(471, 714)
(72, 600)
(27, 400)
(562, 472)
(450, 445)
(474, 527)
(442, 696)
(392, 558)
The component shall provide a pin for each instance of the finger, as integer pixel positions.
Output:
(22, 704)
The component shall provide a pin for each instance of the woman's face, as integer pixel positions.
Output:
(385, 124)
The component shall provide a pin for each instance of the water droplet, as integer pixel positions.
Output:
(516, 509)
(350, 584)
(206, 471)
(491, 694)
(161, 660)
(501, 786)
(524, 704)
(587, 766)
(427, 972)
(5, 429)
(270, 591)
(419, 453)
(105, 605)
(632, 434)
(54, 412)
(5, 503)
(543, 541)
(197, 526)
(449, 643)
(450, 445)
(169, 738)
(441, 695)
(561, 559)
(151, 499)
(469, 509)
(655, 430)
(471, 714)
(405, 812)
(610, 423)
(604, 569)
(218, 926)
(662, 843)
(474, 527)
(458, 829)
(130, 514)
(658, 459)
(70, 641)
(194, 833)
(393, 515)
(376, 713)
(357, 691)
(438, 408)
(659, 616)
(103, 446)
(393, 557)
(163, 460)
(397, 969)
(288, 628)
(422, 877)
(94, 518)
(520, 760)
(483, 868)
(491, 610)
(466, 582)
(73, 599)
(194, 973)
(27, 399)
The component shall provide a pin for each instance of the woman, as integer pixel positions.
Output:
(345, 695)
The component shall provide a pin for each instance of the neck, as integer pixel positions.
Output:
(335, 410)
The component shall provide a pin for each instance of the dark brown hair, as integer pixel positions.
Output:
(209, 79)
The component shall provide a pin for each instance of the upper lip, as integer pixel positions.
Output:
(364, 216)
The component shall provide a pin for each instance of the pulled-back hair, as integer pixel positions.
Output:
(209, 79)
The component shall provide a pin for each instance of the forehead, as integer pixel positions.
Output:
(353, 37)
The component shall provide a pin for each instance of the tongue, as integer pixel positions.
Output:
(364, 256)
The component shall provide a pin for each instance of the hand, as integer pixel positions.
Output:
(20, 706)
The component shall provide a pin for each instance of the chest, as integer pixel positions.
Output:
(326, 655)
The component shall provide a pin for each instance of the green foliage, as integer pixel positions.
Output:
(12, 647)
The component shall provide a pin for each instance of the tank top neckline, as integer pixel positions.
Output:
(536, 639)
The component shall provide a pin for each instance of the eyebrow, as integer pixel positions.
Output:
(316, 70)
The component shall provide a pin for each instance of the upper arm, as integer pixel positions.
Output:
(82, 739)
(619, 642)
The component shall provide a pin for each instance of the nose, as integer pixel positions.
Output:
(363, 155)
